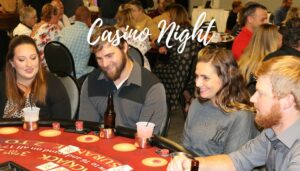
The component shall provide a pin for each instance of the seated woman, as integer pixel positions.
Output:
(293, 12)
(221, 119)
(26, 84)
(27, 21)
(125, 19)
(266, 39)
(47, 29)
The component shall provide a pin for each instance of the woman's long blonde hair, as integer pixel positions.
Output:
(293, 12)
(124, 17)
(266, 39)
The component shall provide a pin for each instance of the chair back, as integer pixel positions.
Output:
(59, 58)
(73, 92)
(136, 55)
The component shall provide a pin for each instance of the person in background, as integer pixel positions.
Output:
(25, 83)
(125, 19)
(252, 16)
(294, 12)
(10, 6)
(63, 19)
(233, 14)
(221, 120)
(70, 6)
(277, 106)
(138, 94)
(290, 40)
(176, 74)
(47, 29)
(165, 15)
(161, 8)
(37, 5)
(78, 45)
(108, 10)
(280, 14)
(27, 20)
(266, 39)
(142, 20)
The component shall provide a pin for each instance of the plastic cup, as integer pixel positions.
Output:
(31, 114)
(144, 130)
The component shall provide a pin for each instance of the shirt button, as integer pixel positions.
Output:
(274, 148)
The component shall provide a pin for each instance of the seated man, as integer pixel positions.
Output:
(138, 94)
(290, 40)
(277, 104)
(78, 46)
(252, 16)
(27, 20)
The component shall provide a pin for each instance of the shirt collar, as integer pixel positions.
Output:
(290, 50)
(288, 137)
(135, 76)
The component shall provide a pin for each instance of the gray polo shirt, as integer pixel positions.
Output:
(140, 95)
(279, 152)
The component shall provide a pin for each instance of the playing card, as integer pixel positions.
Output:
(68, 149)
(120, 168)
(59, 169)
(47, 166)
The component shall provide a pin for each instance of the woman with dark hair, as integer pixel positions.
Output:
(176, 75)
(221, 119)
(26, 84)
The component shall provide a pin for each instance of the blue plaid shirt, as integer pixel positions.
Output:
(74, 37)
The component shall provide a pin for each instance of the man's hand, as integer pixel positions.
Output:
(179, 163)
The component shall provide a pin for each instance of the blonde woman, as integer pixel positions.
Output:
(266, 39)
(293, 12)
(125, 19)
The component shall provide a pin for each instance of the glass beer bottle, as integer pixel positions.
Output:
(109, 115)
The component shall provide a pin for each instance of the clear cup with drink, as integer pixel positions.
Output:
(31, 117)
(144, 133)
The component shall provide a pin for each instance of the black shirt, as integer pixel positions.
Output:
(283, 51)
(231, 20)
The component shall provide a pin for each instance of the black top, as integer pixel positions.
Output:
(284, 50)
(57, 101)
(109, 8)
(231, 20)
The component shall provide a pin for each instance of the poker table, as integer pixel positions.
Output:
(50, 149)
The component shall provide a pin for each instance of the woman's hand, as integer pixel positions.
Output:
(163, 50)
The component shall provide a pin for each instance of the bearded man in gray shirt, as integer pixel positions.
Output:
(278, 111)
(138, 94)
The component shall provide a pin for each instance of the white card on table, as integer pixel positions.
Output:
(68, 149)
(47, 166)
(120, 168)
(59, 169)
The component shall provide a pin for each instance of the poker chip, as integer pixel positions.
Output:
(124, 147)
(88, 138)
(163, 152)
(155, 162)
(8, 130)
(79, 125)
(50, 133)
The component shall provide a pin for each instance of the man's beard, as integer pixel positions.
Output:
(119, 69)
(271, 119)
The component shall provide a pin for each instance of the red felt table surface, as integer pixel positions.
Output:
(29, 149)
